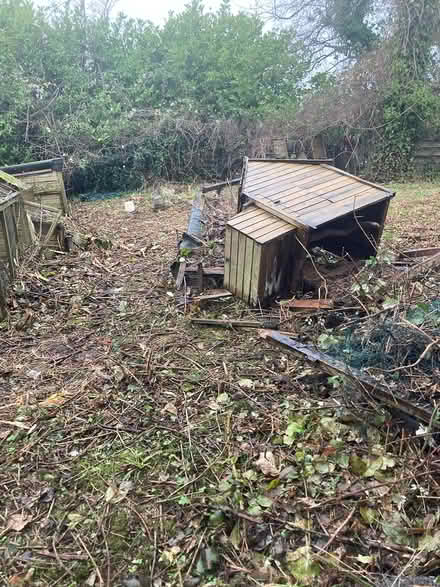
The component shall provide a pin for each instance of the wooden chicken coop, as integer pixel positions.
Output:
(286, 207)
(45, 180)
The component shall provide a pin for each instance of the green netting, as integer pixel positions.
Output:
(387, 343)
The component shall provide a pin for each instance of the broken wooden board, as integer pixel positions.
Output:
(181, 274)
(219, 186)
(208, 271)
(314, 304)
(363, 382)
(212, 295)
(237, 323)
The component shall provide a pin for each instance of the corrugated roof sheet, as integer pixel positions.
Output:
(307, 193)
(259, 225)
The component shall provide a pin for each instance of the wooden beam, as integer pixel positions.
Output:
(218, 186)
(311, 161)
(54, 164)
(367, 384)
(234, 323)
(307, 304)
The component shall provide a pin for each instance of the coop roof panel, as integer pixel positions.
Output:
(308, 193)
(259, 225)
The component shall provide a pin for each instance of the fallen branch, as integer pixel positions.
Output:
(428, 263)
(430, 252)
(365, 383)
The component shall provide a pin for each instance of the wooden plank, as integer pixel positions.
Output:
(233, 260)
(35, 166)
(65, 206)
(226, 277)
(318, 201)
(7, 241)
(247, 269)
(370, 183)
(355, 199)
(40, 206)
(325, 187)
(274, 224)
(305, 304)
(257, 171)
(274, 234)
(243, 219)
(266, 264)
(293, 201)
(273, 209)
(305, 181)
(240, 263)
(296, 161)
(180, 274)
(255, 275)
(235, 323)
(353, 192)
(275, 175)
(7, 200)
(212, 295)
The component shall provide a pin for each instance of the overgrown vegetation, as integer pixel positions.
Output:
(126, 101)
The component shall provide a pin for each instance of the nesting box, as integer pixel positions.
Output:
(296, 204)
(45, 180)
(259, 256)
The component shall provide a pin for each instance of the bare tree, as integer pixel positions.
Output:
(103, 8)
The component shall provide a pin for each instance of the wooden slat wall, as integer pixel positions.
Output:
(427, 155)
(47, 188)
(13, 232)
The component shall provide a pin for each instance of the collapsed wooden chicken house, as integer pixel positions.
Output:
(44, 182)
(285, 207)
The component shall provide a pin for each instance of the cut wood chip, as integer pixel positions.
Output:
(308, 304)
(54, 400)
(267, 465)
(17, 522)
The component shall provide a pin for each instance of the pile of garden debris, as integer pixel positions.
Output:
(140, 447)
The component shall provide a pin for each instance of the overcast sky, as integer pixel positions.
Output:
(157, 10)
